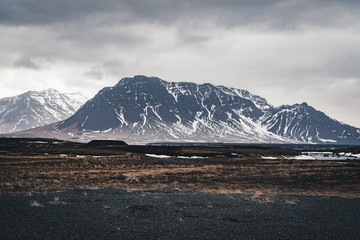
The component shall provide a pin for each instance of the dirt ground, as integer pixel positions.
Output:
(31, 166)
(122, 214)
(51, 189)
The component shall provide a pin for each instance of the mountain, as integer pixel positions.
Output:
(33, 109)
(143, 109)
(147, 109)
(304, 123)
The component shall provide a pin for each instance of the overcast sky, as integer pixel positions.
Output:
(286, 51)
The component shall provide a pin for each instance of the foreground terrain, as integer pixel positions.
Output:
(103, 189)
(119, 214)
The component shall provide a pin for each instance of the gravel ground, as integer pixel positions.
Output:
(119, 214)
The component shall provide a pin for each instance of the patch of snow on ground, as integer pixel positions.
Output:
(166, 156)
(157, 156)
(191, 157)
(327, 156)
(269, 158)
(304, 157)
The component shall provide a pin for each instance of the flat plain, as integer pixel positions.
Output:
(105, 190)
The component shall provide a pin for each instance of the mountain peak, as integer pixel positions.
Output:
(138, 79)
(142, 77)
(37, 108)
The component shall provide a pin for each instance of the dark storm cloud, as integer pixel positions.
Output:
(270, 13)
(28, 12)
(107, 35)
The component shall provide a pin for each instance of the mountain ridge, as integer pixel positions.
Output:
(144, 109)
(306, 124)
(37, 108)
(153, 108)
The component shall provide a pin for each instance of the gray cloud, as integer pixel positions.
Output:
(95, 73)
(346, 66)
(26, 62)
(285, 50)
(267, 13)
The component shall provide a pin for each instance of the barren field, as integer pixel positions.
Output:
(40, 166)
(50, 189)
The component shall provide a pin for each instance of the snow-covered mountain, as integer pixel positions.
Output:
(37, 108)
(147, 109)
(306, 124)
(150, 109)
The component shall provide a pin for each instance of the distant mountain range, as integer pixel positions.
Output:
(147, 109)
(37, 108)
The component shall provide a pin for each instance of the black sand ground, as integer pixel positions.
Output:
(38, 165)
(118, 214)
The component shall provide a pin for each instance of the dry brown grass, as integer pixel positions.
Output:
(291, 202)
(256, 178)
(266, 200)
(35, 204)
(221, 191)
(56, 201)
(257, 195)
